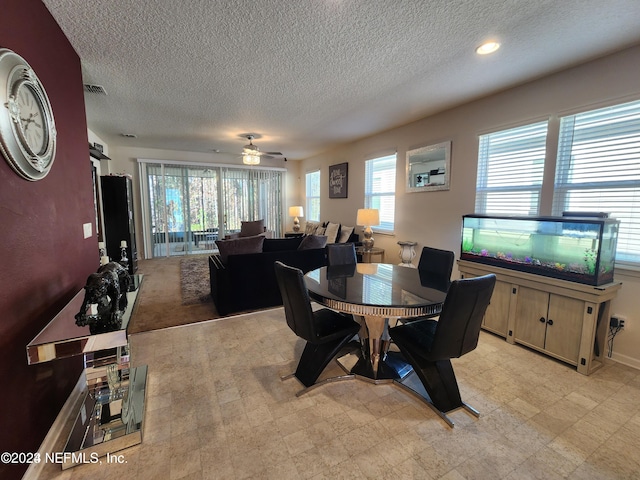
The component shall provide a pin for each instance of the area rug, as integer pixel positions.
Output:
(194, 280)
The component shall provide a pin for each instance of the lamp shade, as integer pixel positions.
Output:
(296, 211)
(368, 217)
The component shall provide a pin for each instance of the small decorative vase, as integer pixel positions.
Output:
(407, 253)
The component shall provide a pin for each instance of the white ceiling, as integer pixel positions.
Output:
(306, 75)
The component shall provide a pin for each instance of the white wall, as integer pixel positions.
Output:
(434, 218)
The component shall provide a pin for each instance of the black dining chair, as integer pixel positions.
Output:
(435, 266)
(341, 254)
(325, 331)
(435, 261)
(429, 345)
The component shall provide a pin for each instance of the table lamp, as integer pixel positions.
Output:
(296, 212)
(368, 217)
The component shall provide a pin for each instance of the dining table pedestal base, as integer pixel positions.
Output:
(391, 368)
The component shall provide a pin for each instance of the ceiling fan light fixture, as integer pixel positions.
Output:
(250, 153)
(251, 149)
(250, 159)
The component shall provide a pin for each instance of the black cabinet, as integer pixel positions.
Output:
(117, 207)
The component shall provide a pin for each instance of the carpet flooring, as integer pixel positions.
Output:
(160, 303)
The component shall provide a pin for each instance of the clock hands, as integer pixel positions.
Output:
(27, 121)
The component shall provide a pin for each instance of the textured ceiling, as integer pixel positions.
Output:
(306, 75)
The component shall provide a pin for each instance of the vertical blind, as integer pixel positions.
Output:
(510, 170)
(312, 182)
(185, 202)
(251, 194)
(380, 189)
(598, 169)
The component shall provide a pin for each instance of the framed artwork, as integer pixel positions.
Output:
(338, 180)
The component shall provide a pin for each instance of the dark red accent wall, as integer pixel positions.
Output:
(44, 259)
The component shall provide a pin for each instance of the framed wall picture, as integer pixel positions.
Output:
(338, 180)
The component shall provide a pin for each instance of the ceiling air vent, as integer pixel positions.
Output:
(97, 89)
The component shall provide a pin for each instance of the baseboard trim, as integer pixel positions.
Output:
(626, 360)
(60, 425)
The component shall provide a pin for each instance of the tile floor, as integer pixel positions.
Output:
(217, 409)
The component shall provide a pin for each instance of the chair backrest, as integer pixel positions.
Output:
(459, 324)
(341, 254)
(296, 301)
(436, 261)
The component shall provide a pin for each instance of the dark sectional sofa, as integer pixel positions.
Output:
(248, 281)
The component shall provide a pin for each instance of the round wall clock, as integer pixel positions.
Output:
(27, 128)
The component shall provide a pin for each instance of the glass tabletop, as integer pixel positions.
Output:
(376, 285)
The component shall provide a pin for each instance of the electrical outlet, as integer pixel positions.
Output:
(617, 321)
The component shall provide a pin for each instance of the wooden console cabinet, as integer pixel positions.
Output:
(565, 320)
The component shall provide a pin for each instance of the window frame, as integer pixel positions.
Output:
(581, 136)
(502, 147)
(375, 197)
(311, 198)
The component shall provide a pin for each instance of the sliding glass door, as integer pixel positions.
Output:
(189, 207)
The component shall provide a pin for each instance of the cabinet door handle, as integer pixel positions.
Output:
(550, 322)
(543, 320)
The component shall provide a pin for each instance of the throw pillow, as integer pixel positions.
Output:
(250, 229)
(313, 241)
(238, 246)
(345, 233)
(320, 230)
(331, 231)
(310, 227)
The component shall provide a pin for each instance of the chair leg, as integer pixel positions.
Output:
(324, 382)
(438, 380)
(315, 359)
(426, 401)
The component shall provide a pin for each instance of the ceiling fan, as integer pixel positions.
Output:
(251, 153)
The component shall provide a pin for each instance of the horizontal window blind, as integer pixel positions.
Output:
(312, 181)
(380, 189)
(599, 170)
(510, 170)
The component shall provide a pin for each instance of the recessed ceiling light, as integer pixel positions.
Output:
(487, 48)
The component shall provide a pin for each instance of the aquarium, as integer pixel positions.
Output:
(579, 249)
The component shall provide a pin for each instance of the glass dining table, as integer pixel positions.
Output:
(376, 294)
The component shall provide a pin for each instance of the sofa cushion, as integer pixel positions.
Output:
(345, 233)
(310, 227)
(239, 246)
(331, 231)
(281, 244)
(250, 229)
(313, 241)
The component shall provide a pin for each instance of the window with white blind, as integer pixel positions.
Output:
(312, 181)
(598, 169)
(380, 189)
(510, 170)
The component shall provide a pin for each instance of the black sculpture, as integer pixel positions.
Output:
(108, 289)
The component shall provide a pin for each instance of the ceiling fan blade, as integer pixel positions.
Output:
(277, 154)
